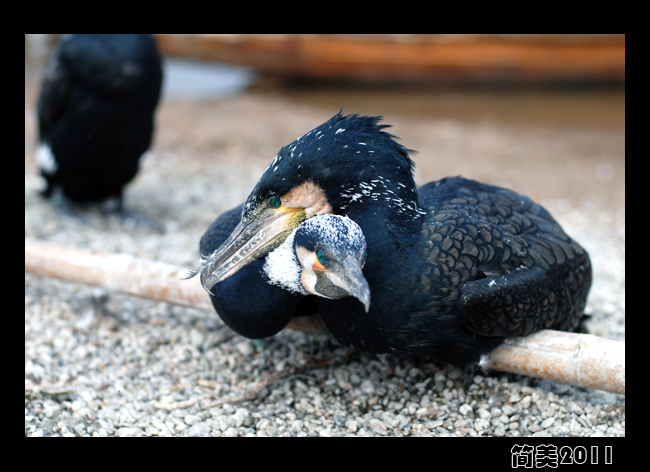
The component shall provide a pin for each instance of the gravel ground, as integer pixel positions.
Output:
(108, 364)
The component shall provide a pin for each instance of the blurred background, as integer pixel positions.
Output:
(541, 114)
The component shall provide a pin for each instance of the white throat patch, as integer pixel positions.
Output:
(282, 267)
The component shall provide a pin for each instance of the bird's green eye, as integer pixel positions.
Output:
(275, 202)
(321, 256)
(365, 258)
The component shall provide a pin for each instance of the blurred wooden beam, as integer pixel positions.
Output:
(575, 359)
(381, 58)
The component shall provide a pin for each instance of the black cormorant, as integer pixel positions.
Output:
(323, 256)
(453, 268)
(95, 113)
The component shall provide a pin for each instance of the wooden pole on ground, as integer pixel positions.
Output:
(576, 359)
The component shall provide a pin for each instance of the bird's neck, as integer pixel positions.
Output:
(394, 205)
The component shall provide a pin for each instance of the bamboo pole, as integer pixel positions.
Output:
(582, 360)
(571, 358)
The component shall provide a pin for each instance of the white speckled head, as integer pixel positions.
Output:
(335, 230)
(323, 256)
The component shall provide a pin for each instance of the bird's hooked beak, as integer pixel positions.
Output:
(349, 278)
(253, 238)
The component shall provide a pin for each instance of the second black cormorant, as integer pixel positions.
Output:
(95, 114)
(323, 257)
(453, 268)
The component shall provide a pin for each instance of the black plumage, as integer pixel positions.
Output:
(96, 113)
(261, 298)
(453, 268)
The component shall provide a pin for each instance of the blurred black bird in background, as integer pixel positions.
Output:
(95, 114)
(453, 267)
(323, 256)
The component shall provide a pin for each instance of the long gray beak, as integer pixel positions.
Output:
(250, 240)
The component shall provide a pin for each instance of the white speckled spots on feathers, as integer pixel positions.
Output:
(334, 229)
(378, 190)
